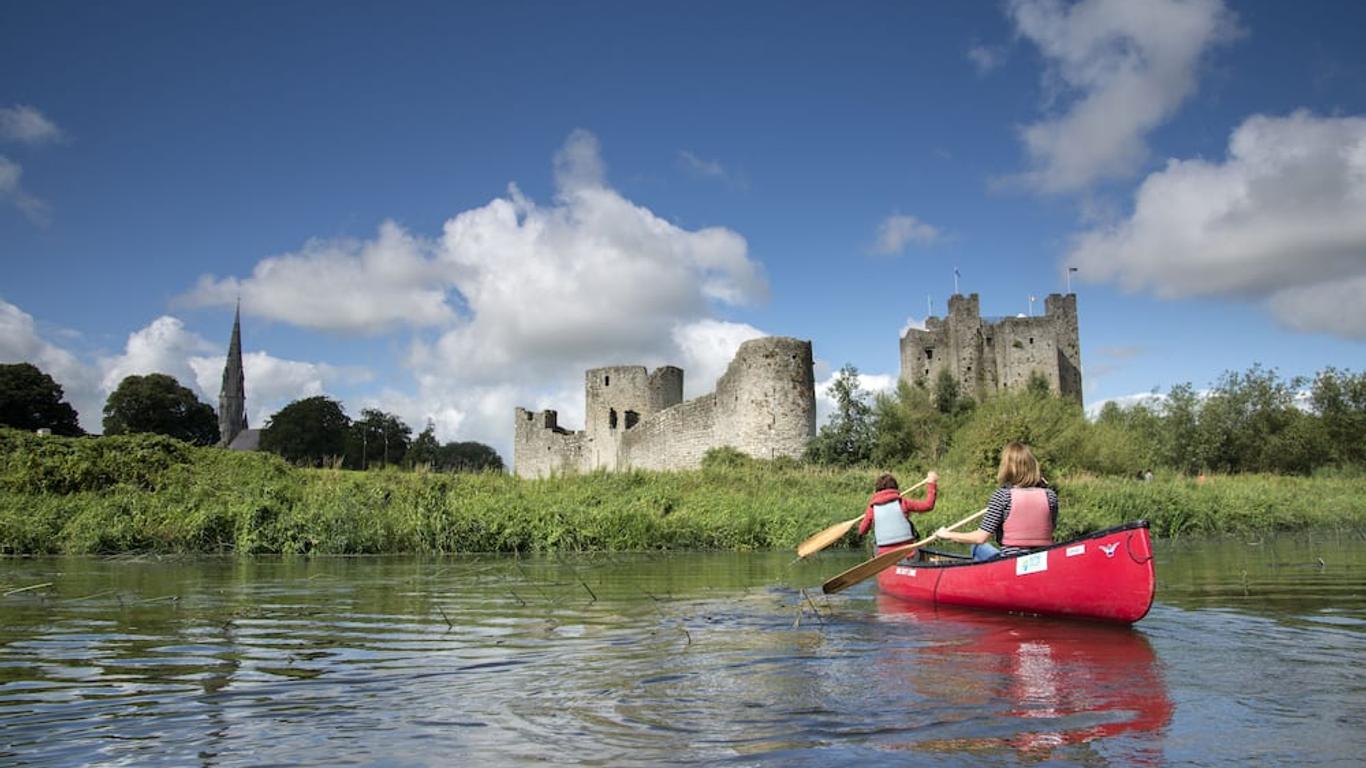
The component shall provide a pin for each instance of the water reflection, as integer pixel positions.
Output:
(1033, 685)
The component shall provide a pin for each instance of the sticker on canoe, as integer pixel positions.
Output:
(903, 571)
(1079, 549)
(1031, 563)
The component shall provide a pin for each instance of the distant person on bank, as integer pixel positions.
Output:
(1021, 514)
(889, 513)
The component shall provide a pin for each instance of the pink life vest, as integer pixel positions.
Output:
(1029, 523)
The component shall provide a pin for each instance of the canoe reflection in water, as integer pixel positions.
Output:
(1031, 685)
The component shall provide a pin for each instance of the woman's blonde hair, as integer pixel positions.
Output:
(1019, 467)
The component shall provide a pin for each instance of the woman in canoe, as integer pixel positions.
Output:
(889, 513)
(1021, 514)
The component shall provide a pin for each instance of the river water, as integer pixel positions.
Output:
(1255, 652)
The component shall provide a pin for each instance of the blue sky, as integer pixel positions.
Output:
(447, 211)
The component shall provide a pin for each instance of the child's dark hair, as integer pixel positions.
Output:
(884, 482)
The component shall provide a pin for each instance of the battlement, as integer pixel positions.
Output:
(986, 356)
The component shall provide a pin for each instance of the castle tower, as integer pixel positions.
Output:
(232, 398)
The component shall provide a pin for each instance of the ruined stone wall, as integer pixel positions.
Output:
(985, 357)
(764, 405)
(541, 448)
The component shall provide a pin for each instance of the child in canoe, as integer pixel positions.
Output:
(1021, 514)
(888, 512)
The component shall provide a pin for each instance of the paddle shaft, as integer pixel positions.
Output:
(871, 567)
(836, 532)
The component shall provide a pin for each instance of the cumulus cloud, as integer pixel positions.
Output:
(1119, 69)
(164, 346)
(21, 342)
(341, 285)
(899, 230)
(24, 124)
(522, 295)
(1281, 220)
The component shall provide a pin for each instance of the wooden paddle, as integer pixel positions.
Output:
(836, 532)
(870, 567)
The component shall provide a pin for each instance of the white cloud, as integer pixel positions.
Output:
(11, 189)
(913, 324)
(345, 285)
(1281, 220)
(524, 295)
(1121, 68)
(27, 125)
(1151, 400)
(898, 230)
(20, 342)
(164, 346)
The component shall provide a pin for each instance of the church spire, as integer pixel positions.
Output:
(232, 399)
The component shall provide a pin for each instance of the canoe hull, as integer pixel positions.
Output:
(1103, 576)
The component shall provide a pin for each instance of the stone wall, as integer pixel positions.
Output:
(988, 356)
(764, 405)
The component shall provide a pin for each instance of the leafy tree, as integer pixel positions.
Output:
(1339, 400)
(311, 431)
(1038, 384)
(30, 399)
(909, 427)
(1181, 446)
(377, 439)
(846, 438)
(425, 448)
(1054, 427)
(468, 457)
(158, 404)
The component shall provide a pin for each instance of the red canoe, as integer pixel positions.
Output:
(1105, 576)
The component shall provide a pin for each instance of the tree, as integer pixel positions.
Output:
(1339, 399)
(425, 448)
(908, 426)
(158, 404)
(846, 438)
(30, 399)
(377, 439)
(468, 457)
(311, 431)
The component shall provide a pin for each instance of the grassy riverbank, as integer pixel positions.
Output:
(145, 493)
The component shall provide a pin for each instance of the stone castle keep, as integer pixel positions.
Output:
(764, 405)
(993, 354)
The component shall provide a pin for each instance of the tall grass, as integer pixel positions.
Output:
(145, 493)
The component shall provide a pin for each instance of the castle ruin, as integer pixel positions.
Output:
(986, 355)
(764, 405)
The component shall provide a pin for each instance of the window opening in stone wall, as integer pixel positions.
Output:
(929, 354)
(631, 419)
(607, 381)
(611, 418)
(1031, 339)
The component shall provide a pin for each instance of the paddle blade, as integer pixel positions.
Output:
(826, 537)
(869, 568)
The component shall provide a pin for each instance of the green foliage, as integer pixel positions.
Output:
(908, 427)
(377, 440)
(846, 439)
(310, 432)
(152, 493)
(468, 456)
(157, 404)
(1055, 428)
(1339, 399)
(30, 399)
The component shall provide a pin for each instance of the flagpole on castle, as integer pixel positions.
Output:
(1070, 270)
(955, 281)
